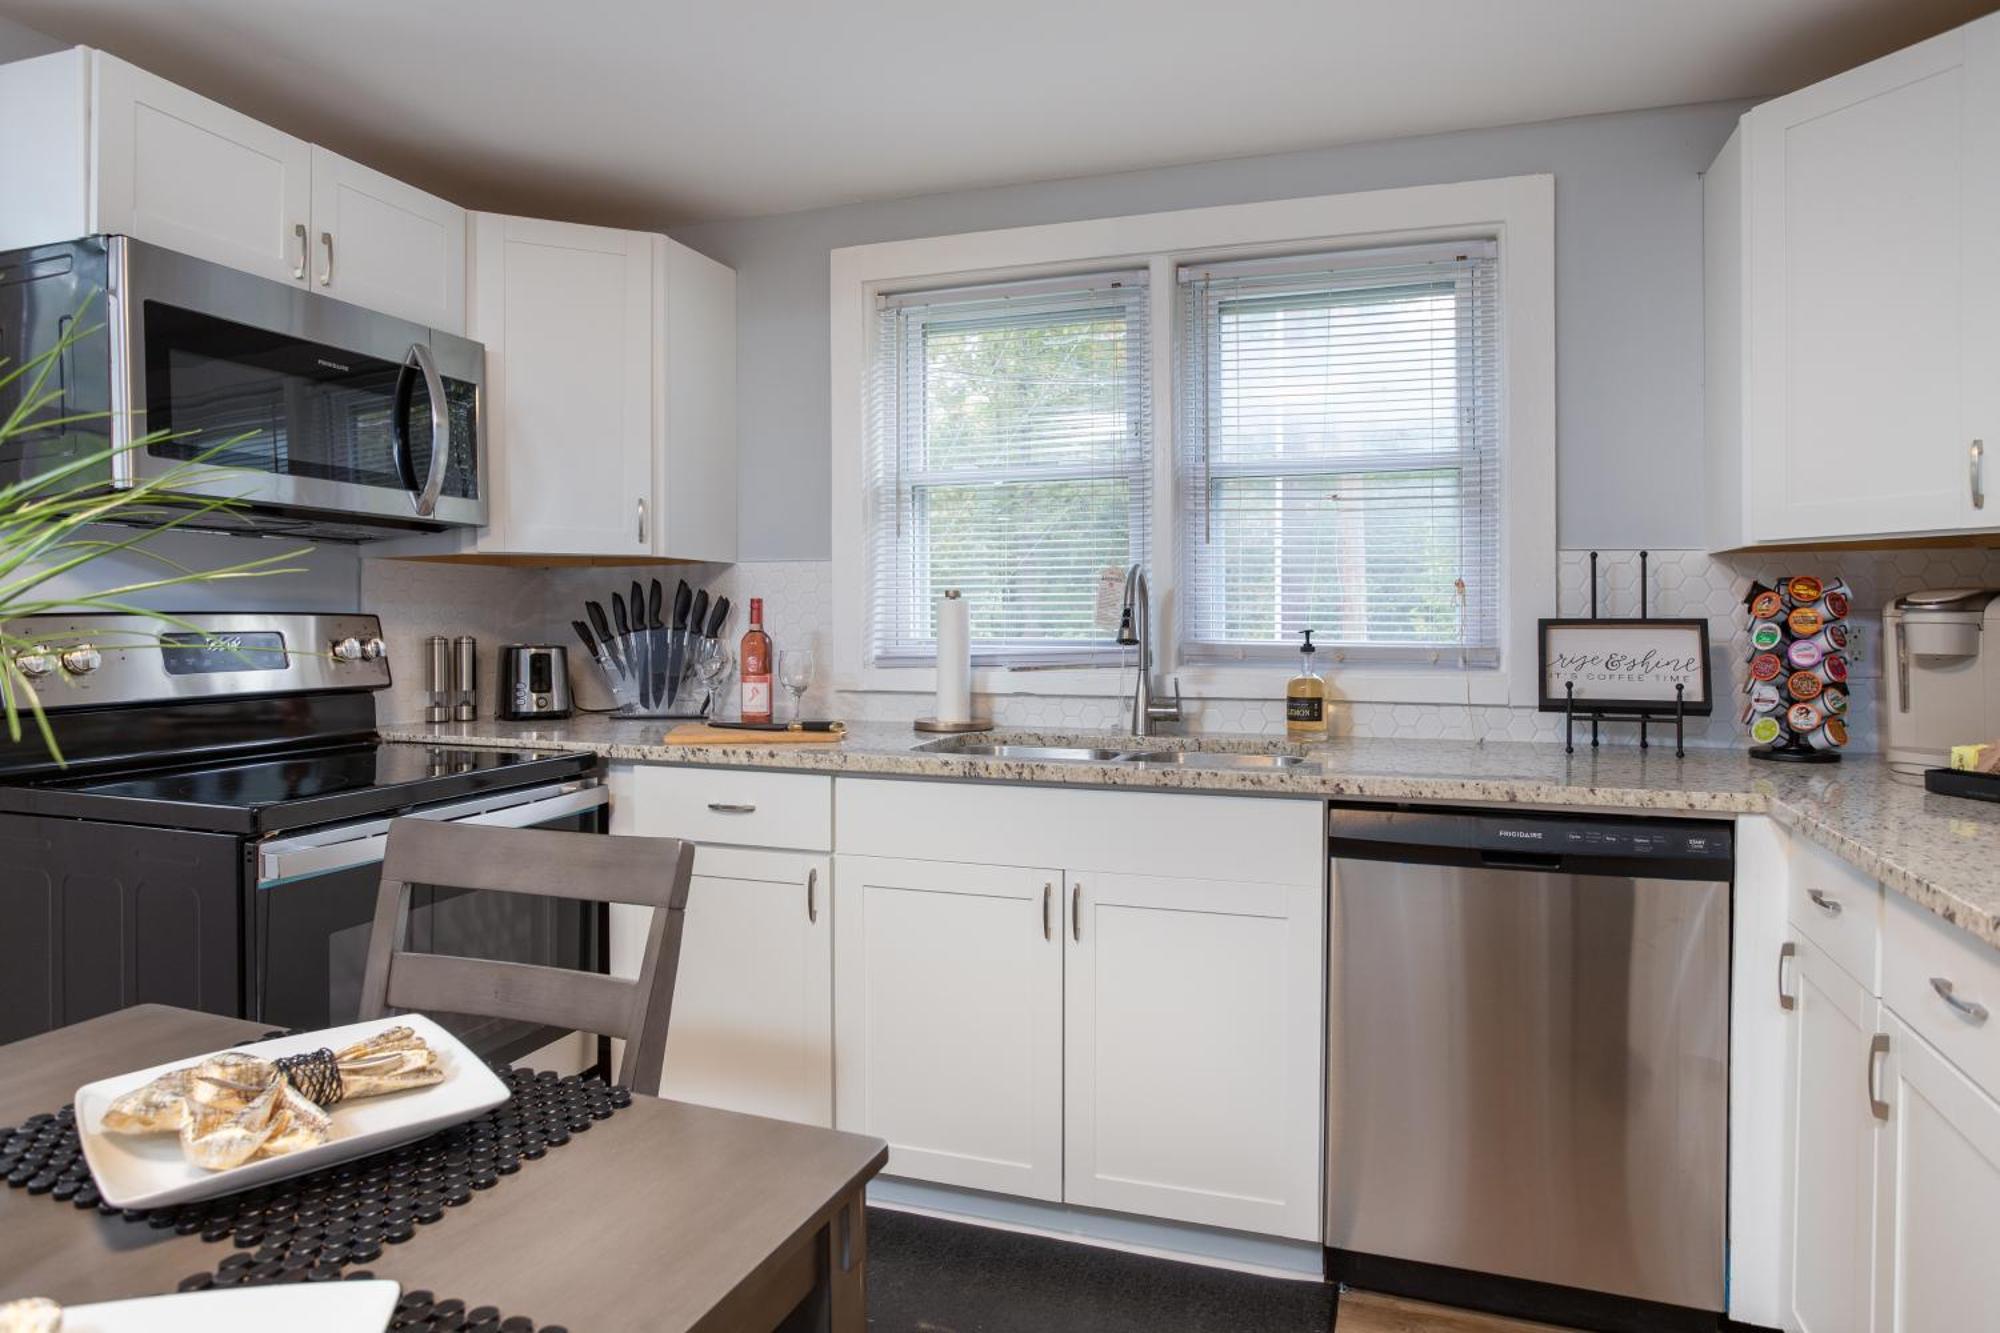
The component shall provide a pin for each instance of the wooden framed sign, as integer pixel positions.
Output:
(1625, 666)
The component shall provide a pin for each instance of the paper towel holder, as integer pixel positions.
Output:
(953, 727)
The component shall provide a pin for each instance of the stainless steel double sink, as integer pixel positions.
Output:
(1214, 760)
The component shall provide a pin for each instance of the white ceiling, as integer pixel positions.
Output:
(658, 112)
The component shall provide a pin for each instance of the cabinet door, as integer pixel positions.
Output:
(1857, 268)
(385, 245)
(181, 171)
(948, 1019)
(1193, 1051)
(1938, 1194)
(1835, 1134)
(566, 313)
(752, 1022)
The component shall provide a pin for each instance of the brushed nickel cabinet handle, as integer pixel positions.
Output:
(1076, 912)
(1970, 1010)
(1878, 1047)
(299, 234)
(1831, 906)
(1979, 474)
(642, 520)
(1048, 892)
(731, 808)
(1786, 951)
(812, 883)
(326, 274)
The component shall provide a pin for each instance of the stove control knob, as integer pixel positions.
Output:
(373, 650)
(81, 660)
(34, 663)
(347, 649)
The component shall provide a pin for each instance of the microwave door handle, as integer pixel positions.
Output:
(423, 498)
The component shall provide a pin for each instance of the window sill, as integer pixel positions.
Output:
(1486, 686)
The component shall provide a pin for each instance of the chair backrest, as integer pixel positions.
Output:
(589, 867)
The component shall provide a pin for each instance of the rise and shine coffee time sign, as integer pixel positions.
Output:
(1625, 666)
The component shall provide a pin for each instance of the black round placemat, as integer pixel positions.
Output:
(333, 1222)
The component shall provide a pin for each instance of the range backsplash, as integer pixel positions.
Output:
(500, 605)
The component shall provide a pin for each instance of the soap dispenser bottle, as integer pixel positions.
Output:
(1305, 698)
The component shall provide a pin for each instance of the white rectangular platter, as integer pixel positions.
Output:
(149, 1171)
(319, 1307)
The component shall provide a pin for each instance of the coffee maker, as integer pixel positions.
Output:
(1941, 675)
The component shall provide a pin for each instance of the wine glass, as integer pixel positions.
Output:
(795, 673)
(711, 665)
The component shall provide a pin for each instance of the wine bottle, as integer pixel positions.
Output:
(756, 658)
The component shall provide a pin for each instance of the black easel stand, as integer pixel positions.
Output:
(1680, 691)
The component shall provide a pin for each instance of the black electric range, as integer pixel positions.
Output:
(213, 837)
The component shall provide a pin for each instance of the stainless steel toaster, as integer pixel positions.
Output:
(534, 681)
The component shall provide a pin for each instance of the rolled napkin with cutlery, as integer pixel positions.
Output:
(233, 1107)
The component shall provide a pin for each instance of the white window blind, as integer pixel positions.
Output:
(1010, 440)
(1339, 456)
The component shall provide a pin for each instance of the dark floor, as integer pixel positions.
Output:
(931, 1276)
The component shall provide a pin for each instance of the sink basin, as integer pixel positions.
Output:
(1216, 760)
(1043, 754)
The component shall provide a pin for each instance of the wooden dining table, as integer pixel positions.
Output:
(666, 1216)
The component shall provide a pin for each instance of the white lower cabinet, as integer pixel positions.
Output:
(1191, 1044)
(1835, 1138)
(948, 1019)
(1937, 1194)
(752, 1022)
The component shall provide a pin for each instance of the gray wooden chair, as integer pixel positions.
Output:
(588, 867)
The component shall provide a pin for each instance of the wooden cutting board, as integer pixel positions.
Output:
(700, 733)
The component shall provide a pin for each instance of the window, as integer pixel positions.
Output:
(1009, 457)
(1339, 427)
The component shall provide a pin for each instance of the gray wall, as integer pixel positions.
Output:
(18, 42)
(1628, 304)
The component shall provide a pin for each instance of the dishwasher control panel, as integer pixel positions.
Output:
(1483, 835)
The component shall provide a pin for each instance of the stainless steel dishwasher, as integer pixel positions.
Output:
(1528, 1023)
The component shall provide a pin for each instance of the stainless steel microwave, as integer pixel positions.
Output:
(324, 419)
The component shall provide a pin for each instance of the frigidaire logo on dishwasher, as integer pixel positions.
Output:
(1532, 835)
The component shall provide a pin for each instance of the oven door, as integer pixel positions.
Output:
(313, 907)
(293, 401)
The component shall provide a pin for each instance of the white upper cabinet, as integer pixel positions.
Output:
(107, 147)
(566, 313)
(611, 384)
(1849, 231)
(181, 171)
(385, 245)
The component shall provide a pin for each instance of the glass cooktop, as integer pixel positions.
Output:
(294, 790)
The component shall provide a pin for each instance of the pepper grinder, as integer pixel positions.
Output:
(438, 679)
(465, 677)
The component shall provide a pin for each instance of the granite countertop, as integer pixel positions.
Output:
(1940, 851)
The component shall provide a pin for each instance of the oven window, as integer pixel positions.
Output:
(283, 406)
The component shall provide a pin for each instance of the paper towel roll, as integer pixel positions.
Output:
(954, 659)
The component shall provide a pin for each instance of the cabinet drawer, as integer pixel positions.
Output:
(1923, 956)
(1837, 907)
(747, 807)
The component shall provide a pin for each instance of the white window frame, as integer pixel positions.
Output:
(1518, 212)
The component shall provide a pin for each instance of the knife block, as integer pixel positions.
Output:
(638, 669)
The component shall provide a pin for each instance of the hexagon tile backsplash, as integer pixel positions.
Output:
(798, 598)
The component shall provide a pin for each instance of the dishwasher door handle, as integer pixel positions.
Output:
(1519, 861)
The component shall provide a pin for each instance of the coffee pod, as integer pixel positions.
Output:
(1832, 638)
(1829, 737)
(1803, 654)
(1836, 602)
(1802, 718)
(1766, 604)
(1766, 666)
(1804, 686)
(1766, 697)
(1766, 635)
(1765, 730)
(1803, 589)
(1833, 700)
(1831, 670)
(1804, 621)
